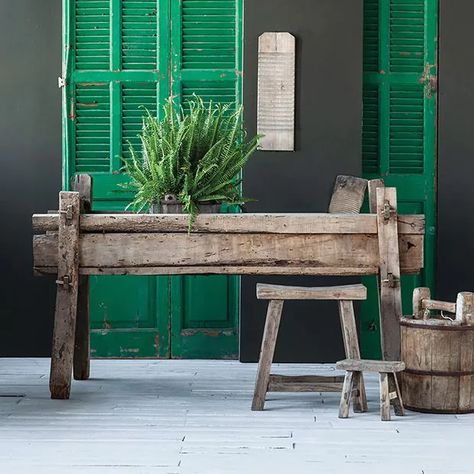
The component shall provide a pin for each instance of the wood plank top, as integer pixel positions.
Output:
(298, 223)
(361, 365)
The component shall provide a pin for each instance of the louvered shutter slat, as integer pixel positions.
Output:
(92, 34)
(137, 97)
(370, 133)
(406, 129)
(371, 35)
(208, 34)
(92, 127)
(139, 34)
(407, 32)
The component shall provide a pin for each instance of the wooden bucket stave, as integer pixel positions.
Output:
(439, 360)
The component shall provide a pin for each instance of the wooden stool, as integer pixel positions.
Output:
(267, 382)
(389, 389)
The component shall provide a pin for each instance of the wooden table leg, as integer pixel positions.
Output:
(66, 296)
(390, 290)
(83, 185)
(82, 339)
(352, 350)
(272, 324)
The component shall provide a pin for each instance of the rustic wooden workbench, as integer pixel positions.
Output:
(73, 245)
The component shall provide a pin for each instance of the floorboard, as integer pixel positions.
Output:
(193, 417)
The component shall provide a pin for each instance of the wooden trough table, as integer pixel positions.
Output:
(74, 243)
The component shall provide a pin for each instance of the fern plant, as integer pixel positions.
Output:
(196, 154)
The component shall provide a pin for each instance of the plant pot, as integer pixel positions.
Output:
(171, 205)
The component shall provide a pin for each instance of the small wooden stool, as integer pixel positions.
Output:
(389, 389)
(276, 294)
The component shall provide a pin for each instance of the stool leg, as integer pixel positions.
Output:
(384, 397)
(397, 401)
(358, 396)
(346, 395)
(351, 347)
(272, 324)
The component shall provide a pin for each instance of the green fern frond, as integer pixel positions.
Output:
(196, 153)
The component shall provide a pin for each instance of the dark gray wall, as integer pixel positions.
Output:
(328, 33)
(328, 142)
(30, 156)
(456, 149)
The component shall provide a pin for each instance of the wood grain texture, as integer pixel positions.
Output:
(465, 308)
(372, 187)
(304, 383)
(348, 195)
(270, 334)
(420, 294)
(363, 365)
(396, 401)
(276, 91)
(352, 350)
(66, 296)
(439, 359)
(335, 252)
(281, 292)
(346, 395)
(359, 395)
(305, 387)
(384, 397)
(81, 365)
(390, 289)
(436, 305)
(299, 223)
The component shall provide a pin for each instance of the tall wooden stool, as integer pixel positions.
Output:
(347, 198)
(389, 388)
(267, 382)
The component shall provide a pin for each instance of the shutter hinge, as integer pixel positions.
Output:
(61, 82)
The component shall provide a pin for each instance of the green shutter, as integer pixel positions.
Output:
(120, 58)
(399, 122)
(115, 63)
(206, 60)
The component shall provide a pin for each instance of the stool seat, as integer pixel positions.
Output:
(341, 292)
(362, 365)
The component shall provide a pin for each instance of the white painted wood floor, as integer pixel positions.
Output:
(186, 417)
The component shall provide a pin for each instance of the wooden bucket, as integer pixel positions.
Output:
(439, 360)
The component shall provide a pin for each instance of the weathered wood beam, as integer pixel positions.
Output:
(66, 296)
(222, 270)
(438, 305)
(233, 223)
(331, 251)
(81, 367)
(390, 263)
